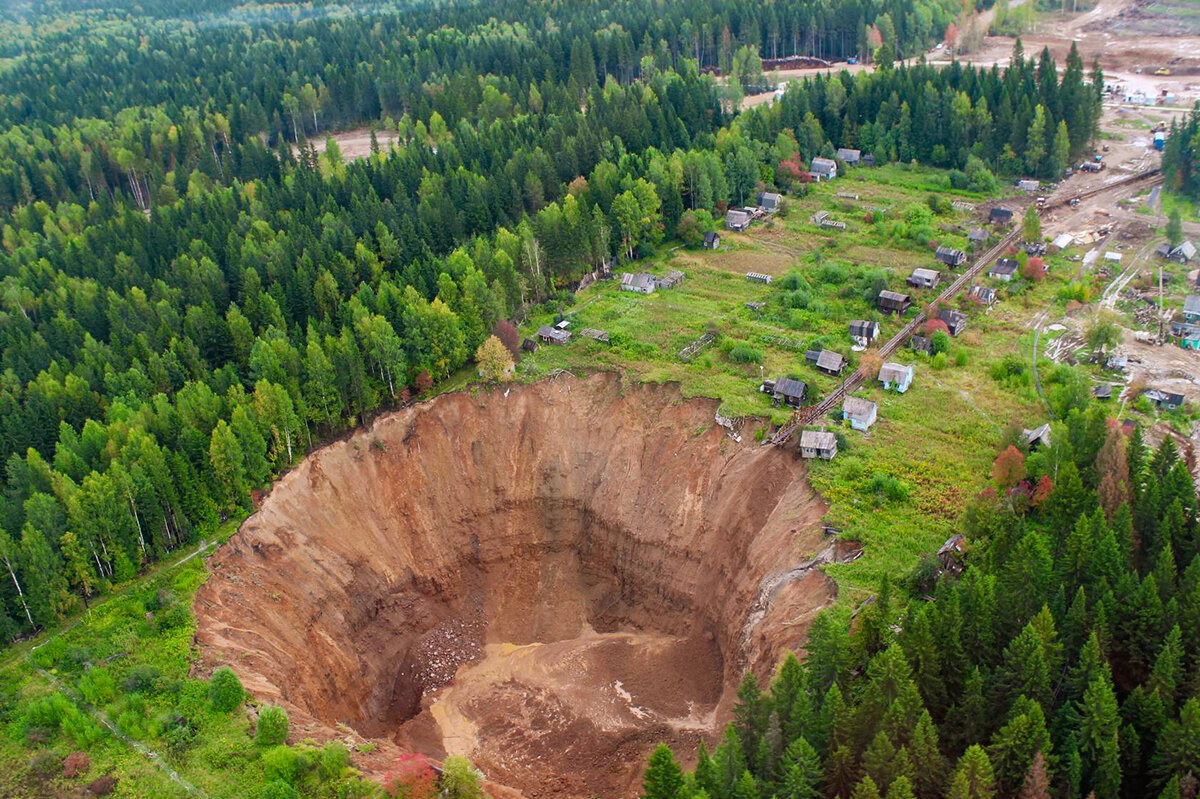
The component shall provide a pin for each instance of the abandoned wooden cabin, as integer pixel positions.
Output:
(921, 344)
(924, 278)
(893, 302)
(819, 217)
(985, 295)
(1104, 391)
(737, 220)
(956, 321)
(950, 256)
(593, 333)
(951, 555)
(640, 282)
(1004, 269)
(671, 279)
(785, 390)
(861, 413)
(895, 376)
(826, 361)
(818, 444)
(977, 235)
(1000, 216)
(824, 168)
(769, 201)
(863, 332)
(529, 345)
(553, 335)
(1191, 308)
(712, 240)
(1164, 400)
(758, 277)
(851, 157)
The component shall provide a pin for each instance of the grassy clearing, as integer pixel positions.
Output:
(935, 443)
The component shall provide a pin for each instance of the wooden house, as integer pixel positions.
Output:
(850, 157)
(860, 412)
(985, 295)
(893, 302)
(712, 240)
(826, 361)
(1004, 269)
(737, 220)
(553, 335)
(895, 376)
(951, 257)
(1191, 308)
(529, 345)
(1000, 216)
(785, 390)
(1164, 400)
(640, 282)
(818, 444)
(824, 168)
(956, 321)
(864, 332)
(924, 278)
(769, 201)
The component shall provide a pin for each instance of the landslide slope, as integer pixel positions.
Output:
(549, 580)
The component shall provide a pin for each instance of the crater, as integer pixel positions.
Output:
(549, 580)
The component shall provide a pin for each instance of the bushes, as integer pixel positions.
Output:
(272, 726)
(225, 691)
(141, 679)
(98, 687)
(742, 352)
(888, 487)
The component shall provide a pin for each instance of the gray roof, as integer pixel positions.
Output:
(987, 295)
(1005, 266)
(736, 217)
(977, 234)
(591, 332)
(1038, 434)
(1103, 391)
(1187, 250)
(950, 252)
(639, 280)
(848, 155)
(828, 359)
(788, 387)
(952, 317)
(858, 408)
(823, 165)
(1192, 304)
(769, 199)
(817, 439)
(925, 274)
(893, 295)
(892, 372)
(546, 331)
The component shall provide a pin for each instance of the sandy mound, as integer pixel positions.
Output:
(550, 582)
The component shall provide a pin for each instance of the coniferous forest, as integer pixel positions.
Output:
(194, 297)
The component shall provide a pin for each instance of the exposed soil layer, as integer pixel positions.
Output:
(549, 580)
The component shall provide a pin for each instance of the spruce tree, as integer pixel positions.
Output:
(663, 778)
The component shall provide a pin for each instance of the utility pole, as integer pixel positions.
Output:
(1160, 305)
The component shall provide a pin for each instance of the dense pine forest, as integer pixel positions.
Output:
(193, 298)
(1062, 662)
(1181, 156)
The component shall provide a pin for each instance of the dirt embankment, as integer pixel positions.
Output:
(550, 580)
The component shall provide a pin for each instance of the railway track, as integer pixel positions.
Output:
(808, 414)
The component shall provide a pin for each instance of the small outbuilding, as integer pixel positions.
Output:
(1191, 308)
(1000, 216)
(827, 361)
(951, 257)
(712, 240)
(1163, 400)
(737, 220)
(895, 376)
(553, 335)
(758, 277)
(1104, 391)
(785, 390)
(956, 321)
(851, 157)
(1028, 186)
(893, 302)
(769, 201)
(921, 344)
(924, 278)
(860, 412)
(640, 282)
(985, 295)
(1184, 253)
(818, 444)
(863, 332)
(952, 555)
(529, 345)
(1061, 242)
(977, 235)
(671, 279)
(593, 333)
